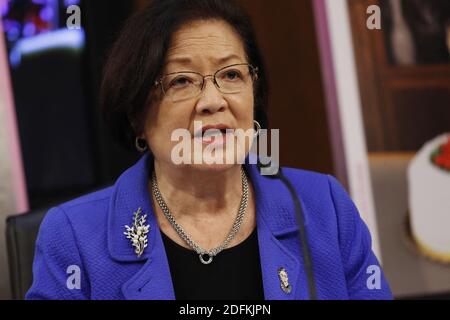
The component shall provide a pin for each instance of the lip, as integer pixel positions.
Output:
(220, 126)
(213, 140)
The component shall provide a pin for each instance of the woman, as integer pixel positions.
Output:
(200, 230)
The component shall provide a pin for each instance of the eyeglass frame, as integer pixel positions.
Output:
(253, 74)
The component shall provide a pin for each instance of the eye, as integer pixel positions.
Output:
(180, 82)
(232, 75)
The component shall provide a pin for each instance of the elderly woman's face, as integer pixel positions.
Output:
(203, 47)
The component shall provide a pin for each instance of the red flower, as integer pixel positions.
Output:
(441, 157)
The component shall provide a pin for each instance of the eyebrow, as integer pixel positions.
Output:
(188, 60)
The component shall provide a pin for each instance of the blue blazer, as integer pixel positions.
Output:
(88, 233)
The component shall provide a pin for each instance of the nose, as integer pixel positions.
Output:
(211, 100)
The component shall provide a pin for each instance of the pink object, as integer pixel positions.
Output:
(17, 174)
(328, 75)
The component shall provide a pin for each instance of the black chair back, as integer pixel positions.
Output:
(21, 234)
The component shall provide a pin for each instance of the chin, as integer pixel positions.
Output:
(211, 161)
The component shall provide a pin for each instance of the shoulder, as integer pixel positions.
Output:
(324, 201)
(313, 184)
(305, 176)
(324, 189)
(61, 243)
(327, 205)
(74, 228)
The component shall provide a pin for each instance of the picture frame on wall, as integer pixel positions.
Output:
(417, 32)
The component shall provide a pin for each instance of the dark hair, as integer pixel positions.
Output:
(137, 58)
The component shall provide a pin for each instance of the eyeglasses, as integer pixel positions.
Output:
(184, 85)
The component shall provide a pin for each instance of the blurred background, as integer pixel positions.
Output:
(54, 146)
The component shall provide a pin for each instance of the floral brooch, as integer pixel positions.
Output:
(137, 233)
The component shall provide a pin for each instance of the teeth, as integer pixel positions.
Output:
(212, 132)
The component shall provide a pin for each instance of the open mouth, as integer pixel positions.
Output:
(211, 132)
(214, 134)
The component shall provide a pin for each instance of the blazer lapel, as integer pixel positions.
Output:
(275, 257)
(153, 281)
(278, 238)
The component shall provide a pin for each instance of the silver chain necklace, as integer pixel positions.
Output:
(200, 251)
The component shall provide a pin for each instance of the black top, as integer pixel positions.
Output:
(235, 273)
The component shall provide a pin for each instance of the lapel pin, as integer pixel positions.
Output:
(137, 233)
(284, 280)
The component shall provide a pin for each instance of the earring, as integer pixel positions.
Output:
(141, 144)
(258, 128)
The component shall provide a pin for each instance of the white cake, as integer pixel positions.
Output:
(429, 198)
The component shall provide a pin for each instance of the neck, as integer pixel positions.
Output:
(198, 193)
